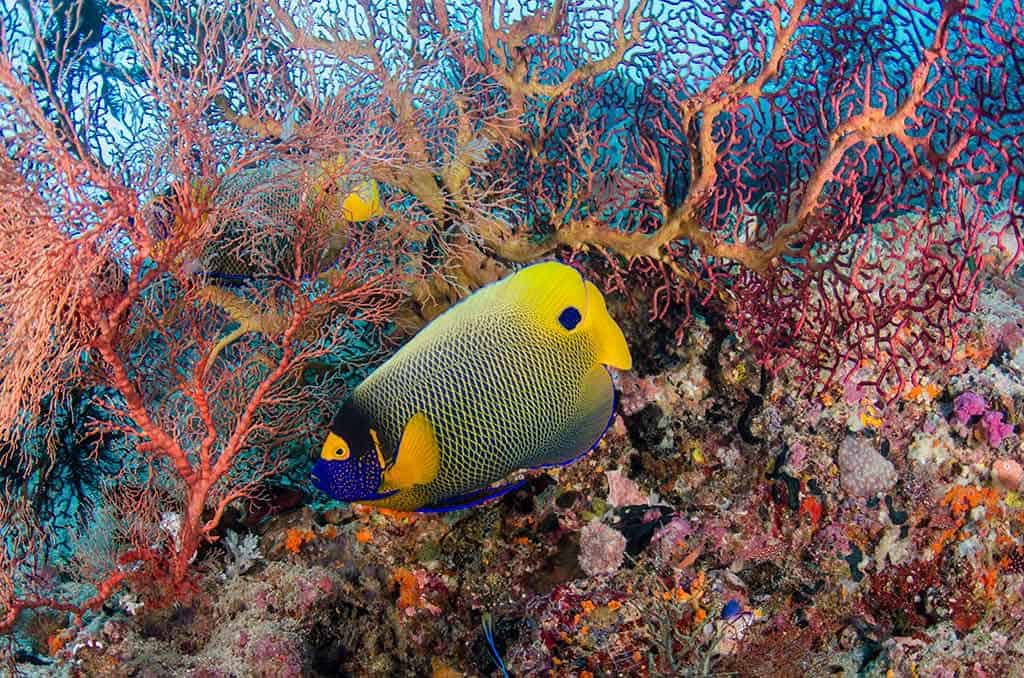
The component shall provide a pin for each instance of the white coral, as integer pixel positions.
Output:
(242, 554)
(933, 449)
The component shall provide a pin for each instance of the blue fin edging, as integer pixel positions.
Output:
(488, 626)
(470, 499)
(608, 425)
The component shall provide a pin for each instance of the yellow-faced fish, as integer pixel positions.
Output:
(512, 377)
(266, 201)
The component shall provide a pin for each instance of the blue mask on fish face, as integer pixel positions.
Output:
(351, 461)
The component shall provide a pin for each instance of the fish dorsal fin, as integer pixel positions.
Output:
(558, 298)
(545, 291)
(608, 338)
(418, 457)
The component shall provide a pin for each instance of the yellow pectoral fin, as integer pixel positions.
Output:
(418, 458)
(611, 343)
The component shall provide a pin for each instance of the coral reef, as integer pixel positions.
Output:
(805, 215)
(905, 558)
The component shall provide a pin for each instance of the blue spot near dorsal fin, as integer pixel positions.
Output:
(570, 317)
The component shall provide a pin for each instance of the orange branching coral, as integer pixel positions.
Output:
(943, 539)
(961, 499)
(813, 508)
(56, 642)
(364, 536)
(989, 577)
(296, 537)
(928, 392)
(441, 670)
(693, 596)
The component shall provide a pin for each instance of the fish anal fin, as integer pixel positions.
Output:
(471, 499)
(594, 415)
(418, 458)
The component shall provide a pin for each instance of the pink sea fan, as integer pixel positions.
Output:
(622, 491)
(602, 549)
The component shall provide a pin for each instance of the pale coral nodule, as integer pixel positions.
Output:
(1008, 474)
(602, 549)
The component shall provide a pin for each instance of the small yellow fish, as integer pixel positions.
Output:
(265, 200)
(362, 195)
(512, 377)
(363, 202)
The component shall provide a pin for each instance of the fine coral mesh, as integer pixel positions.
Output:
(499, 393)
(257, 211)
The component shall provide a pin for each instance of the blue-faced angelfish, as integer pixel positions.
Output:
(512, 377)
(268, 201)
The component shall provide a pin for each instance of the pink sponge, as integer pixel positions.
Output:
(967, 405)
(995, 428)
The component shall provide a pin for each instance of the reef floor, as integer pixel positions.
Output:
(726, 526)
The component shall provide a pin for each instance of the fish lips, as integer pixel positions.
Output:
(318, 475)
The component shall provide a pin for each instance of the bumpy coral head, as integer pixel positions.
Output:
(351, 460)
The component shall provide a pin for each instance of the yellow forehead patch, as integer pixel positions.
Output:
(335, 448)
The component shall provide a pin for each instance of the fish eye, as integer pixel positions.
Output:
(335, 448)
(570, 317)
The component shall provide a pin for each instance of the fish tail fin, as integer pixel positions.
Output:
(612, 349)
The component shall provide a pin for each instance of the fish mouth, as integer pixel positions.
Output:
(314, 477)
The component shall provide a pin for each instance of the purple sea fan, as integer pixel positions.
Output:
(601, 549)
